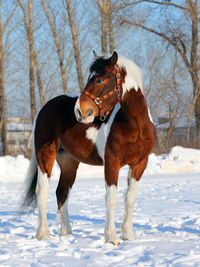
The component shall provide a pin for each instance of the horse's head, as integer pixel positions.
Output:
(101, 92)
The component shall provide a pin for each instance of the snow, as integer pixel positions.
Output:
(166, 218)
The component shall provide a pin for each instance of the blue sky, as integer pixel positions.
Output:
(137, 45)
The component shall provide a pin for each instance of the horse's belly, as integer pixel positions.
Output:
(81, 148)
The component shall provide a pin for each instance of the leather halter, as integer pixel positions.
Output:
(99, 100)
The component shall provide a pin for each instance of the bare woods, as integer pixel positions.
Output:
(46, 49)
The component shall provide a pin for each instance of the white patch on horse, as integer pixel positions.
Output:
(133, 78)
(91, 134)
(77, 105)
(92, 74)
(130, 198)
(99, 136)
(42, 192)
(111, 203)
(76, 108)
(150, 117)
(63, 217)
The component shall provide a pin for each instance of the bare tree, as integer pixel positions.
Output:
(31, 61)
(110, 27)
(185, 43)
(59, 52)
(39, 82)
(3, 124)
(75, 44)
(107, 38)
(103, 7)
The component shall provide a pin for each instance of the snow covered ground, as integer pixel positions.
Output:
(166, 218)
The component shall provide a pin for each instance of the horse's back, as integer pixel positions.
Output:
(55, 117)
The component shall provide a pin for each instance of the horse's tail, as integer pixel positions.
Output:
(29, 200)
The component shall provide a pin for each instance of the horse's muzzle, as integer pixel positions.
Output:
(86, 119)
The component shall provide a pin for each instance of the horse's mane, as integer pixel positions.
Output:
(133, 78)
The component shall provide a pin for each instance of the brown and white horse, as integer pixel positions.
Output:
(110, 125)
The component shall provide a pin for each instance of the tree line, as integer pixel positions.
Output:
(46, 49)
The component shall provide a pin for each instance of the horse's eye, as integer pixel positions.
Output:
(98, 81)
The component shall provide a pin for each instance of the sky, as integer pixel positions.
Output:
(137, 45)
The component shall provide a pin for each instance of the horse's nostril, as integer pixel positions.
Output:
(78, 115)
(79, 112)
(90, 112)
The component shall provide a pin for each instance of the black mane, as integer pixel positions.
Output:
(99, 65)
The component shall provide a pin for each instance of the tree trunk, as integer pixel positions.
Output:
(31, 62)
(75, 43)
(197, 115)
(196, 90)
(110, 27)
(104, 11)
(60, 56)
(3, 124)
(194, 63)
(39, 82)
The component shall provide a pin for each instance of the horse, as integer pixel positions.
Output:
(109, 124)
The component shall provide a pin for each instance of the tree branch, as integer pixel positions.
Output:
(59, 52)
(9, 18)
(152, 2)
(172, 41)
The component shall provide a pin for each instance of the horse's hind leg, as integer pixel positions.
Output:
(68, 168)
(45, 157)
(134, 175)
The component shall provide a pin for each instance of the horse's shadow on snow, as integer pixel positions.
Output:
(138, 226)
(174, 229)
(12, 220)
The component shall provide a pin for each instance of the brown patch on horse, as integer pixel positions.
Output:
(138, 169)
(81, 148)
(46, 157)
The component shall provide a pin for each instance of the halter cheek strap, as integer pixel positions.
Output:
(99, 100)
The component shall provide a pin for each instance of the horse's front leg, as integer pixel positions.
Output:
(111, 178)
(130, 198)
(134, 175)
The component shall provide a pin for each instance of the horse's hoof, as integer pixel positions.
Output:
(128, 237)
(116, 243)
(42, 237)
(65, 233)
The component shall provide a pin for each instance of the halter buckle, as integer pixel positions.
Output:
(103, 117)
(97, 101)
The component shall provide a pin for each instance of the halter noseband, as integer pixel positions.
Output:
(99, 100)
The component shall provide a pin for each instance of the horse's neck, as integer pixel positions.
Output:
(134, 105)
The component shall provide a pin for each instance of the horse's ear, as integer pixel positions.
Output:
(95, 54)
(114, 58)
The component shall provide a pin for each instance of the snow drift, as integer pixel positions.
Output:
(178, 160)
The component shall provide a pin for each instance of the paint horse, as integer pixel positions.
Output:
(110, 125)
